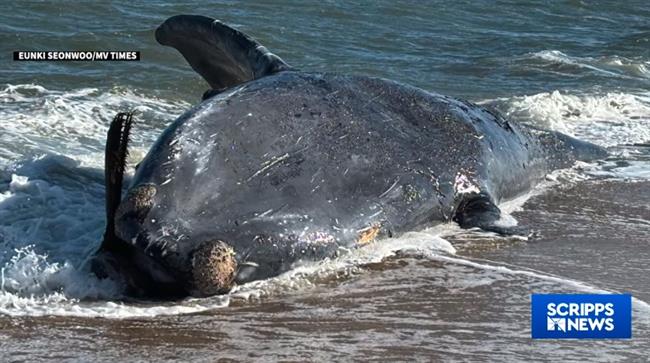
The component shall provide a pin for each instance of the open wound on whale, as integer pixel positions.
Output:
(368, 234)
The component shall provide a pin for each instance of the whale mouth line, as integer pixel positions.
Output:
(141, 275)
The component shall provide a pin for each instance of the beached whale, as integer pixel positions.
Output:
(276, 166)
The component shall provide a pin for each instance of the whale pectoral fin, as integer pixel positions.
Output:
(223, 56)
(479, 211)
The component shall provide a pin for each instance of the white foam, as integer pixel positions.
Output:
(74, 123)
(32, 286)
(51, 208)
(611, 119)
(38, 216)
(606, 119)
(607, 65)
(348, 263)
(630, 170)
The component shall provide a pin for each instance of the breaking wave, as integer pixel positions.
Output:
(74, 123)
(612, 65)
(607, 119)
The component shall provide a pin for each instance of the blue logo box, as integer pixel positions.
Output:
(581, 316)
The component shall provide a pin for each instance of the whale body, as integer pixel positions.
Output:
(277, 166)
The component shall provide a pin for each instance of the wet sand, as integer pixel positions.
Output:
(409, 307)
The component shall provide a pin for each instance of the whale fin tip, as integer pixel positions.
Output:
(223, 56)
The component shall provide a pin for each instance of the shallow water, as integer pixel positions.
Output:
(573, 66)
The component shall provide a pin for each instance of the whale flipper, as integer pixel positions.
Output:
(223, 56)
(479, 211)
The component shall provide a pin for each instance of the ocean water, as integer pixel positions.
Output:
(579, 67)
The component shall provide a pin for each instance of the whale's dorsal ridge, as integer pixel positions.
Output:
(223, 56)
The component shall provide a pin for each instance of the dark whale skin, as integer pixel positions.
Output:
(295, 166)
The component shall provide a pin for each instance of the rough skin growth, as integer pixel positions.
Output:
(213, 268)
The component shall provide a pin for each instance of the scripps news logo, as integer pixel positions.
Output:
(606, 316)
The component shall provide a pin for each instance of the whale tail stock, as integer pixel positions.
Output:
(223, 56)
(478, 210)
(566, 150)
